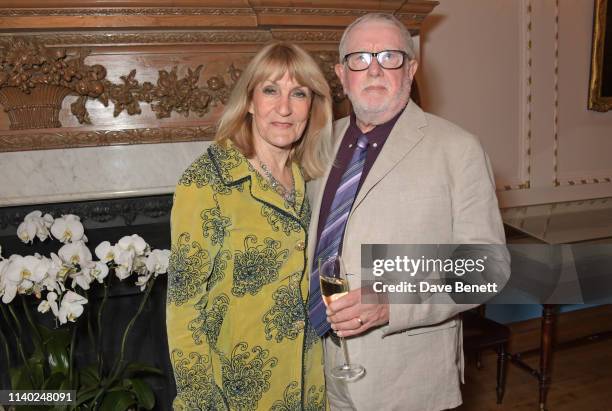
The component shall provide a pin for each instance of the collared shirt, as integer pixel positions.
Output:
(376, 140)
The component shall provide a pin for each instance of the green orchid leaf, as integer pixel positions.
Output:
(144, 393)
(135, 368)
(54, 381)
(89, 376)
(118, 401)
(20, 379)
(85, 396)
(38, 373)
(58, 357)
(58, 334)
(38, 355)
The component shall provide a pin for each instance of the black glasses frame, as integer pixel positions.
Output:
(375, 56)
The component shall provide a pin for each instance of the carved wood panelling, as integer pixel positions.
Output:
(153, 70)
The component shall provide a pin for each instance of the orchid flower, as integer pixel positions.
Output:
(157, 261)
(34, 225)
(75, 253)
(97, 271)
(143, 280)
(105, 252)
(68, 229)
(21, 274)
(3, 266)
(71, 307)
(49, 303)
(133, 243)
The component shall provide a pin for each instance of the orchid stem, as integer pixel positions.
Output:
(90, 332)
(18, 340)
(100, 311)
(71, 358)
(38, 340)
(6, 347)
(116, 370)
(143, 302)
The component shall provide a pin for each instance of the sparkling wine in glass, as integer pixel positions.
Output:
(333, 286)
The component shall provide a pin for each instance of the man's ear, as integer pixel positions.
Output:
(339, 69)
(413, 68)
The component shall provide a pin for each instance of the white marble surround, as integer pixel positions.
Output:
(49, 176)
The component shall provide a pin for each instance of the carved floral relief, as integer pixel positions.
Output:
(35, 79)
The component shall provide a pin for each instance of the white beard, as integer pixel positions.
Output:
(382, 113)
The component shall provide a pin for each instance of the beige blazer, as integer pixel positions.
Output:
(431, 184)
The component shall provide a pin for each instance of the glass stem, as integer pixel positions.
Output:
(347, 362)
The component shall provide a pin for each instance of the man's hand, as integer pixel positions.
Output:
(348, 317)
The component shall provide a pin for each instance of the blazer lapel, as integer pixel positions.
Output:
(403, 138)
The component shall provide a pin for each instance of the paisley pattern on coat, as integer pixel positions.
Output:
(236, 312)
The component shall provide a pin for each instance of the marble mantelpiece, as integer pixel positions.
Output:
(50, 176)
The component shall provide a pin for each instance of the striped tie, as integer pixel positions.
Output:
(332, 233)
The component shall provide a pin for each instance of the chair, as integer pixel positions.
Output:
(480, 333)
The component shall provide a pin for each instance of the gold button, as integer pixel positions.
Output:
(300, 323)
(300, 245)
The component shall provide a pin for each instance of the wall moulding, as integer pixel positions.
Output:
(73, 139)
(66, 14)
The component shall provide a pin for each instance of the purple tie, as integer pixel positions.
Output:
(332, 233)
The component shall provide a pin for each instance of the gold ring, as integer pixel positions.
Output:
(360, 322)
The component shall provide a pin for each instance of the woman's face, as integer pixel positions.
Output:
(280, 110)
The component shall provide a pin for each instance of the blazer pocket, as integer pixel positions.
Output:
(438, 327)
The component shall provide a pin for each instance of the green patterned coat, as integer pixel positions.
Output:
(237, 319)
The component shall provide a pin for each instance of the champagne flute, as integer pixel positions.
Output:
(333, 286)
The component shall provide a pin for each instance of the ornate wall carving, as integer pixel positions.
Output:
(151, 73)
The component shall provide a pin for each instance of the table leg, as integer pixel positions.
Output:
(546, 351)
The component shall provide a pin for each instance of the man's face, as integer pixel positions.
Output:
(377, 94)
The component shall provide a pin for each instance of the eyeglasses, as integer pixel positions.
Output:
(388, 59)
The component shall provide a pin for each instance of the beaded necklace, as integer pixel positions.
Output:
(288, 195)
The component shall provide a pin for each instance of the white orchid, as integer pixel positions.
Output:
(68, 229)
(49, 303)
(105, 251)
(3, 266)
(71, 307)
(75, 253)
(143, 280)
(21, 274)
(133, 243)
(125, 263)
(56, 274)
(35, 273)
(157, 261)
(82, 278)
(34, 225)
(122, 272)
(98, 271)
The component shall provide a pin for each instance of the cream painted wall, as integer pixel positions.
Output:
(475, 72)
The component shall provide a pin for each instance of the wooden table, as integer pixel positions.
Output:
(558, 223)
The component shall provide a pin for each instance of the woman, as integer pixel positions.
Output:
(237, 319)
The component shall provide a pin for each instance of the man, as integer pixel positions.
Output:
(413, 179)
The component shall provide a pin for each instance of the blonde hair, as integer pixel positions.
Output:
(313, 150)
